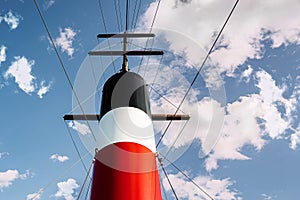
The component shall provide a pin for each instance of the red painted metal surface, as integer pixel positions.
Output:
(125, 171)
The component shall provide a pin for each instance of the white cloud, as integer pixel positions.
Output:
(66, 189)
(206, 116)
(185, 189)
(25, 175)
(268, 88)
(2, 154)
(241, 39)
(56, 157)
(65, 40)
(295, 99)
(83, 129)
(240, 128)
(43, 89)
(246, 74)
(11, 20)
(295, 138)
(8, 177)
(212, 77)
(206, 120)
(271, 94)
(20, 70)
(252, 118)
(48, 4)
(267, 197)
(2, 54)
(240, 125)
(33, 196)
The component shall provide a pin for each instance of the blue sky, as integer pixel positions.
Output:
(242, 141)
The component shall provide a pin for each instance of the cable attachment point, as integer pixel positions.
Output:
(160, 160)
(96, 151)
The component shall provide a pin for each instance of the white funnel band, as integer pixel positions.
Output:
(126, 124)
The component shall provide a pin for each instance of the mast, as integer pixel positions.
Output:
(125, 47)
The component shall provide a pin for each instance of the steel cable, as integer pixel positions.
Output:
(200, 69)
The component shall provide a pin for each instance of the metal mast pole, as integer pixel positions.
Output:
(125, 45)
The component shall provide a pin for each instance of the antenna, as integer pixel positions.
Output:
(125, 51)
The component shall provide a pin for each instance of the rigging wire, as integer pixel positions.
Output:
(163, 189)
(102, 16)
(61, 63)
(105, 29)
(133, 14)
(84, 182)
(200, 69)
(88, 189)
(75, 146)
(152, 89)
(165, 98)
(156, 74)
(118, 22)
(94, 75)
(136, 45)
(59, 176)
(148, 59)
(176, 139)
(120, 14)
(87, 99)
(168, 180)
(154, 18)
(137, 15)
(152, 24)
(156, 175)
(152, 41)
(136, 11)
(191, 180)
(97, 88)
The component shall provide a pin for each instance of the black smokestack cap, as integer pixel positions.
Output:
(125, 89)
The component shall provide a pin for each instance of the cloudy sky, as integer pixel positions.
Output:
(243, 138)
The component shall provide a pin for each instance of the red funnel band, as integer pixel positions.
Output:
(127, 171)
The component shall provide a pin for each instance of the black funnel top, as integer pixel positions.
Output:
(125, 89)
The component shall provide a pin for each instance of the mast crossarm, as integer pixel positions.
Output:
(155, 117)
(166, 117)
(129, 53)
(128, 35)
(89, 117)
